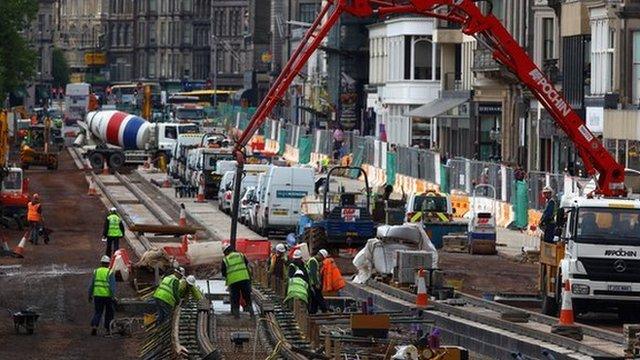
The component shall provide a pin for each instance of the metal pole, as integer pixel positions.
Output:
(236, 203)
(215, 71)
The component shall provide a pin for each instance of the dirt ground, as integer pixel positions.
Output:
(54, 278)
(489, 274)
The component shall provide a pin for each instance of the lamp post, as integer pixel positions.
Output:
(214, 45)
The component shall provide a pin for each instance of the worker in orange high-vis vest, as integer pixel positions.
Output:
(34, 216)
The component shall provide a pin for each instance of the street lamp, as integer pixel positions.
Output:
(214, 44)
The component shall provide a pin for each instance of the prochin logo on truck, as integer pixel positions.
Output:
(551, 92)
(621, 253)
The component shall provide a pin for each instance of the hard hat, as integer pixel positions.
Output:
(547, 189)
(324, 253)
(226, 247)
(297, 254)
(113, 210)
(298, 272)
(191, 280)
(105, 259)
(180, 270)
(280, 248)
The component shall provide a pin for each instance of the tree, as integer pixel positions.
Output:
(17, 59)
(60, 68)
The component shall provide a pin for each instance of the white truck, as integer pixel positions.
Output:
(119, 138)
(208, 164)
(184, 143)
(76, 101)
(597, 252)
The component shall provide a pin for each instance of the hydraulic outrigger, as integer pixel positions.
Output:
(488, 31)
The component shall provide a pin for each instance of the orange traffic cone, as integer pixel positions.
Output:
(105, 168)
(200, 197)
(566, 326)
(92, 188)
(167, 182)
(19, 250)
(183, 217)
(422, 301)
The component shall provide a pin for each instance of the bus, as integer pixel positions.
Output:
(205, 97)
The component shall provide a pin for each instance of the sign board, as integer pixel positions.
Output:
(350, 214)
(95, 58)
(290, 194)
(595, 119)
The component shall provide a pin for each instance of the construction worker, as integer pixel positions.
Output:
(548, 220)
(277, 264)
(113, 230)
(189, 288)
(298, 288)
(235, 269)
(332, 280)
(314, 268)
(167, 295)
(297, 264)
(34, 216)
(102, 292)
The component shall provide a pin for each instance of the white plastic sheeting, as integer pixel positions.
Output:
(379, 254)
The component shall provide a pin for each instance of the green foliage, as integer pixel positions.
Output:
(17, 59)
(60, 68)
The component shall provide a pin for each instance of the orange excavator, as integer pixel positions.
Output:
(14, 188)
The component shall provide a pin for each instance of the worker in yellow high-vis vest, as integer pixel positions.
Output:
(235, 269)
(102, 293)
(167, 295)
(113, 231)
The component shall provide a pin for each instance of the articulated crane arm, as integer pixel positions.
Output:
(488, 30)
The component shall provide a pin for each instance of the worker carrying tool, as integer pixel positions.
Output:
(298, 288)
(167, 295)
(297, 264)
(235, 269)
(277, 263)
(314, 268)
(548, 220)
(113, 231)
(34, 216)
(102, 292)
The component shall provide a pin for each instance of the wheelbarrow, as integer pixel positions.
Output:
(25, 319)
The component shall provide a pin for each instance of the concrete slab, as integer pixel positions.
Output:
(121, 193)
(207, 214)
(139, 214)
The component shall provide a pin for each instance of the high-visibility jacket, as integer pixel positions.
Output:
(298, 289)
(168, 290)
(236, 268)
(331, 277)
(313, 268)
(114, 226)
(33, 213)
(101, 282)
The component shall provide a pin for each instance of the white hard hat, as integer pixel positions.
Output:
(226, 247)
(113, 209)
(297, 254)
(180, 270)
(280, 248)
(191, 280)
(547, 189)
(299, 272)
(105, 259)
(324, 253)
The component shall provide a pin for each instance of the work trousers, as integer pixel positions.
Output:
(240, 288)
(317, 301)
(163, 311)
(113, 243)
(34, 231)
(549, 233)
(102, 305)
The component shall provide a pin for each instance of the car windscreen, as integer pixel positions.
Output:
(608, 226)
(190, 114)
(13, 181)
(430, 203)
(211, 160)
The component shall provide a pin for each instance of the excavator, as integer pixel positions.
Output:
(14, 188)
(601, 269)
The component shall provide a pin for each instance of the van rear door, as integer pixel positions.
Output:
(289, 186)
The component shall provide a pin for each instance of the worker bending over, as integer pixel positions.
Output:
(314, 268)
(102, 292)
(298, 288)
(112, 231)
(235, 269)
(297, 264)
(167, 295)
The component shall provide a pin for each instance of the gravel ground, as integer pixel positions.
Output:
(54, 277)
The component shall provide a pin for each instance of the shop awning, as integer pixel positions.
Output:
(437, 107)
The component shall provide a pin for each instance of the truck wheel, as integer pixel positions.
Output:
(116, 161)
(316, 239)
(96, 160)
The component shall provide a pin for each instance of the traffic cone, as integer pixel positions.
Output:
(92, 188)
(167, 182)
(19, 250)
(200, 197)
(183, 217)
(566, 326)
(422, 301)
(105, 168)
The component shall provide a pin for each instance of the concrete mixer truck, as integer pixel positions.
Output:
(118, 138)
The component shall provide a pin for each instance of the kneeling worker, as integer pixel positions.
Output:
(235, 269)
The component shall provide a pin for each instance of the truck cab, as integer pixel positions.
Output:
(207, 166)
(14, 195)
(189, 113)
(597, 250)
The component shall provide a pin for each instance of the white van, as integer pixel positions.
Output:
(184, 143)
(255, 202)
(225, 192)
(280, 198)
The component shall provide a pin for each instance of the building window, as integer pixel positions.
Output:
(153, 7)
(308, 12)
(636, 68)
(602, 45)
(420, 55)
(152, 33)
(547, 39)
(186, 34)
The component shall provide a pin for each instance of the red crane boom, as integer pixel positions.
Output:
(488, 30)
